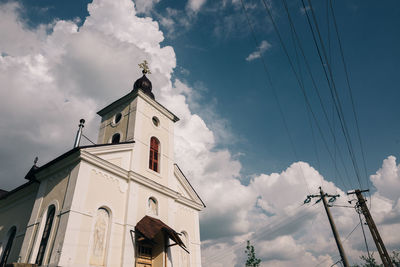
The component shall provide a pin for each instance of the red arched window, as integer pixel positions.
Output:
(154, 160)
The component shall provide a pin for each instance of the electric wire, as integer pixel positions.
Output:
(365, 239)
(337, 257)
(88, 139)
(347, 237)
(264, 231)
(307, 110)
(341, 206)
(316, 90)
(296, 75)
(339, 107)
(337, 262)
(351, 94)
(274, 93)
(331, 84)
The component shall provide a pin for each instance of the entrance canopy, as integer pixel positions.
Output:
(149, 227)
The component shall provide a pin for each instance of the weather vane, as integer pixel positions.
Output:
(145, 67)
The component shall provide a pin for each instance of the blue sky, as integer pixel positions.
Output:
(207, 71)
(213, 62)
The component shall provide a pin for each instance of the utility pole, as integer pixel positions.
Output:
(361, 205)
(322, 196)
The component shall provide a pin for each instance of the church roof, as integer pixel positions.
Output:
(145, 84)
(2, 193)
(31, 173)
(187, 180)
(66, 154)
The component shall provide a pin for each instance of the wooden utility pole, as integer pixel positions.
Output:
(361, 204)
(322, 196)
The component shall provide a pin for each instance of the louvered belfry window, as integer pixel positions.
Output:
(154, 160)
(46, 235)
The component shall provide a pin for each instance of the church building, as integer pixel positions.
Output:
(120, 202)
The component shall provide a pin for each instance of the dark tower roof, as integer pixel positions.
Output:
(144, 84)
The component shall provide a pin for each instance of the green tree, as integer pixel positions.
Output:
(371, 261)
(252, 260)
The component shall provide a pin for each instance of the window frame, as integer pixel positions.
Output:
(46, 235)
(154, 154)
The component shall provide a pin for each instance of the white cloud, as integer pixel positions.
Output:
(195, 5)
(264, 46)
(387, 179)
(287, 233)
(53, 78)
(145, 6)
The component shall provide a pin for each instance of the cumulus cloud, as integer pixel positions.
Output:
(55, 74)
(264, 46)
(387, 178)
(287, 233)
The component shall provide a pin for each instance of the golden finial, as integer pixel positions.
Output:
(145, 67)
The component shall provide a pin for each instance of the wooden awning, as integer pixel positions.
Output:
(149, 227)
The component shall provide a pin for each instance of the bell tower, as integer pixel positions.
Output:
(138, 117)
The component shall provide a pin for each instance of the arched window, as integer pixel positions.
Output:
(154, 160)
(11, 236)
(100, 237)
(115, 138)
(152, 206)
(46, 234)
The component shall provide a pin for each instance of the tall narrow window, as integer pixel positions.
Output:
(154, 154)
(46, 234)
(100, 237)
(11, 236)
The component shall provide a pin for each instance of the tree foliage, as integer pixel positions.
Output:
(371, 261)
(252, 260)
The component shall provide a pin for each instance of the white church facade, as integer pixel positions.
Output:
(121, 202)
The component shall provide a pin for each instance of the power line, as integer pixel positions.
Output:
(262, 232)
(347, 237)
(365, 239)
(314, 86)
(296, 75)
(274, 93)
(351, 94)
(331, 84)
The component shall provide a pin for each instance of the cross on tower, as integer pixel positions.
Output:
(145, 67)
